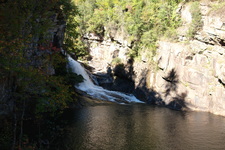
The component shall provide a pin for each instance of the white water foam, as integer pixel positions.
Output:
(96, 91)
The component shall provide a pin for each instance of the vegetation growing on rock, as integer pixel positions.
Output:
(196, 23)
(141, 21)
(33, 75)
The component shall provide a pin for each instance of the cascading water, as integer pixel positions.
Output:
(96, 91)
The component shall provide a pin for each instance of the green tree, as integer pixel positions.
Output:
(144, 22)
(26, 57)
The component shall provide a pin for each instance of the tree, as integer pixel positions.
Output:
(29, 54)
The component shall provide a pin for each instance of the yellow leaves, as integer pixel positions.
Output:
(57, 93)
(77, 1)
(6, 68)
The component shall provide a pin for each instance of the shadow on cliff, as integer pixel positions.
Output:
(117, 78)
(177, 101)
(170, 93)
(123, 77)
(143, 93)
(171, 82)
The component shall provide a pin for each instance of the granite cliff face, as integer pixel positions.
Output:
(189, 74)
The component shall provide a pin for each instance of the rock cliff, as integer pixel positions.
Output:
(186, 74)
(36, 55)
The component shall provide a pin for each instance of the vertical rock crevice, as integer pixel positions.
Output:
(189, 73)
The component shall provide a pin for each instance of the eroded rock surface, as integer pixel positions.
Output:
(187, 74)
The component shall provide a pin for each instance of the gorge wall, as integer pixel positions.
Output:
(36, 54)
(186, 74)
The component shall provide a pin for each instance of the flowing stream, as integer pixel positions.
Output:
(96, 91)
(136, 126)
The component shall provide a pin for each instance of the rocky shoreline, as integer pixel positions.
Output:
(186, 74)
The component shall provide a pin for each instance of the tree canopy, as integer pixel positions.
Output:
(142, 21)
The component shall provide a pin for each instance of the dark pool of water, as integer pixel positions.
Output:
(141, 127)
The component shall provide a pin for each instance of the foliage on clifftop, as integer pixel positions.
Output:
(142, 21)
(196, 23)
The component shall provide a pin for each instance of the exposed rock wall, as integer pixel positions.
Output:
(35, 57)
(111, 62)
(187, 74)
(190, 74)
(104, 51)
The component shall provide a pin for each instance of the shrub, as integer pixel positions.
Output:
(143, 21)
(196, 23)
(116, 61)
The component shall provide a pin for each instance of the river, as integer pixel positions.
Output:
(141, 127)
(136, 126)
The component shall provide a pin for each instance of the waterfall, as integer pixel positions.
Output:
(96, 91)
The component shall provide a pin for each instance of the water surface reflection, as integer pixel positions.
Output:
(141, 127)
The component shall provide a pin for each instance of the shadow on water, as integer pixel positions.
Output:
(140, 127)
